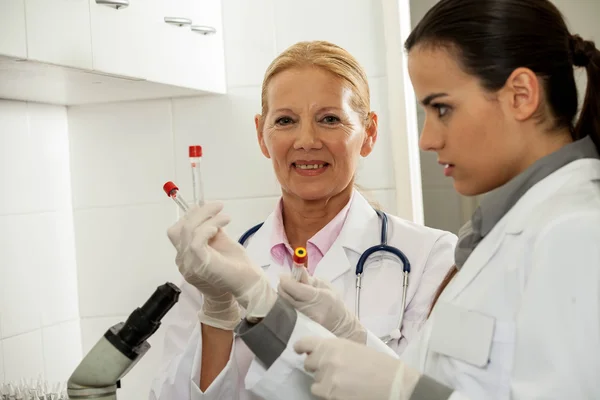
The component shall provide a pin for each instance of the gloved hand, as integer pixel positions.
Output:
(318, 301)
(219, 267)
(219, 308)
(346, 370)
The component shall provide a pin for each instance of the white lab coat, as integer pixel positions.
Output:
(430, 252)
(521, 320)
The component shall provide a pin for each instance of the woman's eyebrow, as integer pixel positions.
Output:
(428, 99)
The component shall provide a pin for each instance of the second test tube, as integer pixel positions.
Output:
(195, 153)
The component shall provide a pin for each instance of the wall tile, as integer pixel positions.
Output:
(245, 213)
(233, 166)
(23, 357)
(121, 153)
(249, 40)
(377, 170)
(34, 157)
(1, 361)
(124, 252)
(20, 236)
(58, 270)
(50, 169)
(62, 350)
(14, 151)
(38, 280)
(355, 26)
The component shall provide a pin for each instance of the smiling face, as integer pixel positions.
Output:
(477, 140)
(312, 134)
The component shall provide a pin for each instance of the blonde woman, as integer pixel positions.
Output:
(315, 125)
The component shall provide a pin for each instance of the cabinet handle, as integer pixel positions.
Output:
(178, 21)
(116, 4)
(205, 30)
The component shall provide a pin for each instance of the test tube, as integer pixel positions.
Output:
(173, 192)
(195, 153)
(299, 259)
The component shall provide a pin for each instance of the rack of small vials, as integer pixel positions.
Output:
(33, 390)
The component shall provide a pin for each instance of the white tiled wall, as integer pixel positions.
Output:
(39, 327)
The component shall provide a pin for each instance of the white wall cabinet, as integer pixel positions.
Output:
(206, 66)
(58, 32)
(13, 34)
(120, 38)
(89, 51)
(188, 44)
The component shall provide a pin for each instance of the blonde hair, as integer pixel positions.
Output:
(329, 57)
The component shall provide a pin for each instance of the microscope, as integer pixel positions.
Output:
(99, 374)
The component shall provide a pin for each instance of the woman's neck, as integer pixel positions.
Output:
(303, 219)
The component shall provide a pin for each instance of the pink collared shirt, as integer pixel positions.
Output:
(317, 246)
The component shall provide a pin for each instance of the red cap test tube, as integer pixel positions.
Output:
(195, 154)
(173, 192)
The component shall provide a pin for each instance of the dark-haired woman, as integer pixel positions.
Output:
(519, 316)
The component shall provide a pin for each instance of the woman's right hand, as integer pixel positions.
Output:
(216, 264)
(220, 309)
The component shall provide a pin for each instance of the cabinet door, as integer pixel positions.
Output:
(205, 48)
(13, 37)
(169, 31)
(58, 32)
(120, 38)
(189, 54)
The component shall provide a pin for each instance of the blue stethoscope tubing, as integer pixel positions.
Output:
(360, 265)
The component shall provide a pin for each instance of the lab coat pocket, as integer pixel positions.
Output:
(462, 334)
(472, 346)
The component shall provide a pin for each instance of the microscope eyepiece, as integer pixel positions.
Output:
(143, 321)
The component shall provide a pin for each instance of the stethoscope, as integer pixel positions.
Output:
(360, 265)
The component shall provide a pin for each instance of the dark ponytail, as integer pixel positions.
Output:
(585, 54)
(492, 38)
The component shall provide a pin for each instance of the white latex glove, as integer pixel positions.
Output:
(344, 370)
(220, 309)
(213, 257)
(317, 300)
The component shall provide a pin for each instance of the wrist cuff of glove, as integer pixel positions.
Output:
(223, 312)
(259, 300)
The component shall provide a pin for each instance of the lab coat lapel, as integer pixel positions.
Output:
(476, 262)
(360, 231)
(334, 264)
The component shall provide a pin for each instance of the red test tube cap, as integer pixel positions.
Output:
(299, 255)
(195, 151)
(169, 187)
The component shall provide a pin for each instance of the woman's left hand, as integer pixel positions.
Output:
(318, 301)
